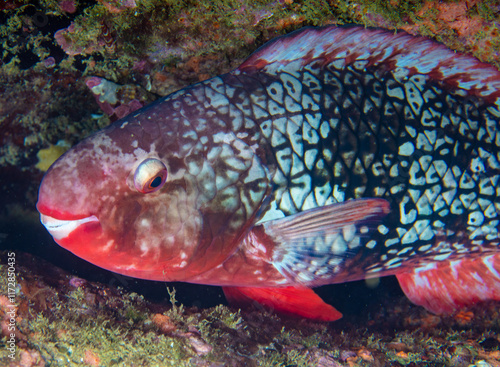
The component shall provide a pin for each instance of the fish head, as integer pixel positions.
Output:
(150, 203)
(116, 202)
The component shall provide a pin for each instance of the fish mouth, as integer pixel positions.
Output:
(60, 229)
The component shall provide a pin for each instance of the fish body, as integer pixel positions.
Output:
(331, 154)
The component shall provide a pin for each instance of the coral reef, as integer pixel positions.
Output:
(115, 100)
(69, 68)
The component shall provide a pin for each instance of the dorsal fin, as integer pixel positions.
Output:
(402, 53)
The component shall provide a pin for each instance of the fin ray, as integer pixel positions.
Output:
(378, 48)
(311, 246)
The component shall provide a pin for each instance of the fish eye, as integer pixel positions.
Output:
(150, 176)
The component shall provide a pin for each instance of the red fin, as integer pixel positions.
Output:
(381, 50)
(301, 302)
(446, 287)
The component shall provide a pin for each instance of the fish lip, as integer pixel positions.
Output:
(60, 229)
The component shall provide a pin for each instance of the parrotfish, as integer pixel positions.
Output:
(330, 155)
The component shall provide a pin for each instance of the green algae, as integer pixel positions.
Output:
(291, 358)
(232, 320)
(176, 312)
(66, 341)
(122, 337)
(398, 14)
(484, 9)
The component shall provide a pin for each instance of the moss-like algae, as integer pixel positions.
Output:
(66, 341)
(232, 320)
(68, 335)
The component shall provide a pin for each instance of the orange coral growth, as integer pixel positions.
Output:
(459, 25)
(464, 317)
(91, 358)
(402, 355)
(290, 21)
(450, 15)
(455, 14)
(365, 355)
(450, 11)
(163, 322)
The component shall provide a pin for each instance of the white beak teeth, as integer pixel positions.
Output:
(60, 229)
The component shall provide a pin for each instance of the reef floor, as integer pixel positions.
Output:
(59, 319)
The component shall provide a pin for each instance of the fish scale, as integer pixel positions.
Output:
(331, 154)
(363, 117)
(351, 133)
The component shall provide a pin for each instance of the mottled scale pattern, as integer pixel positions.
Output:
(359, 114)
(432, 157)
(378, 122)
(216, 147)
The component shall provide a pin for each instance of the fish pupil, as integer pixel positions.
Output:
(156, 182)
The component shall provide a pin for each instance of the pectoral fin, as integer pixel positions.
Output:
(302, 302)
(307, 249)
(311, 247)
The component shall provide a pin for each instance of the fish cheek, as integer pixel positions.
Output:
(117, 219)
(150, 235)
(129, 215)
(168, 224)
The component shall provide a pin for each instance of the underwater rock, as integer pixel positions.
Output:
(117, 6)
(63, 39)
(68, 6)
(115, 100)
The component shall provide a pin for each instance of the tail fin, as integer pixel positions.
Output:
(447, 286)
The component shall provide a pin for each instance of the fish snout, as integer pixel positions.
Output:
(60, 229)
